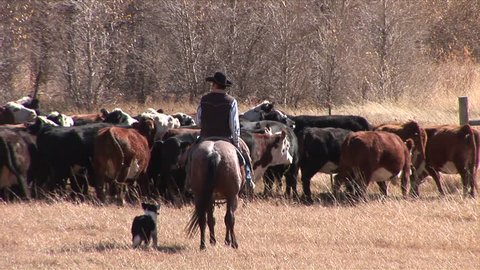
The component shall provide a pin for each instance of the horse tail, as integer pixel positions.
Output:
(205, 198)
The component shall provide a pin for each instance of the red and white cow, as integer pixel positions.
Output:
(373, 156)
(121, 156)
(451, 149)
(163, 122)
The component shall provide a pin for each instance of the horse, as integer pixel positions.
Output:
(214, 173)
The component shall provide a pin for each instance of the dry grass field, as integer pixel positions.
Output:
(428, 233)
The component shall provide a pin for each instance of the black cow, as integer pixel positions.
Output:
(350, 122)
(67, 152)
(276, 172)
(166, 167)
(319, 150)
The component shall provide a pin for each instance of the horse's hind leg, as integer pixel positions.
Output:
(211, 224)
(230, 238)
(202, 220)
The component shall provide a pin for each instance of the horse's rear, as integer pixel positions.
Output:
(214, 173)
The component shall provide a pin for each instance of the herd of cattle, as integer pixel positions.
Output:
(120, 155)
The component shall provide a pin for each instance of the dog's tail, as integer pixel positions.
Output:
(136, 241)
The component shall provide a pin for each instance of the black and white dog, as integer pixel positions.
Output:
(144, 227)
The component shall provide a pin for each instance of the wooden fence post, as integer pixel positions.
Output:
(463, 110)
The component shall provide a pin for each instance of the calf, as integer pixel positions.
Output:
(121, 156)
(319, 150)
(376, 156)
(451, 149)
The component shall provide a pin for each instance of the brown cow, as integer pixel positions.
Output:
(377, 156)
(83, 119)
(451, 149)
(121, 156)
(17, 152)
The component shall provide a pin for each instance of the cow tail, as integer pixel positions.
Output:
(472, 140)
(474, 165)
(13, 166)
(205, 198)
(117, 145)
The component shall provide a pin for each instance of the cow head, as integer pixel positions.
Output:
(184, 119)
(277, 115)
(163, 122)
(146, 127)
(20, 113)
(117, 116)
(29, 102)
(40, 122)
(419, 137)
(60, 119)
(258, 112)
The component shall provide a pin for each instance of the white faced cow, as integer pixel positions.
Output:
(15, 113)
(163, 122)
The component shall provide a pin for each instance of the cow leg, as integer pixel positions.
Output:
(361, 181)
(144, 185)
(473, 183)
(404, 183)
(99, 186)
(268, 180)
(211, 223)
(291, 180)
(436, 177)
(307, 173)
(383, 186)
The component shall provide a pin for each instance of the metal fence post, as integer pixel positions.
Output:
(463, 110)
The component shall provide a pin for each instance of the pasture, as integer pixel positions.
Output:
(275, 233)
(429, 233)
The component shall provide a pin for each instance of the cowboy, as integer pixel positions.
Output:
(217, 116)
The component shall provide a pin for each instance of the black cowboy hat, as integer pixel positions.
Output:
(220, 79)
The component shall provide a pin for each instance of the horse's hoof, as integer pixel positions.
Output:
(213, 242)
(235, 245)
(202, 247)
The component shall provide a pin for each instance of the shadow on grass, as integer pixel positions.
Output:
(104, 246)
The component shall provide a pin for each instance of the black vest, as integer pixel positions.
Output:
(215, 115)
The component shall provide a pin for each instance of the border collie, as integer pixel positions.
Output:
(144, 227)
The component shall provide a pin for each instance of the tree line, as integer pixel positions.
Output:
(92, 52)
